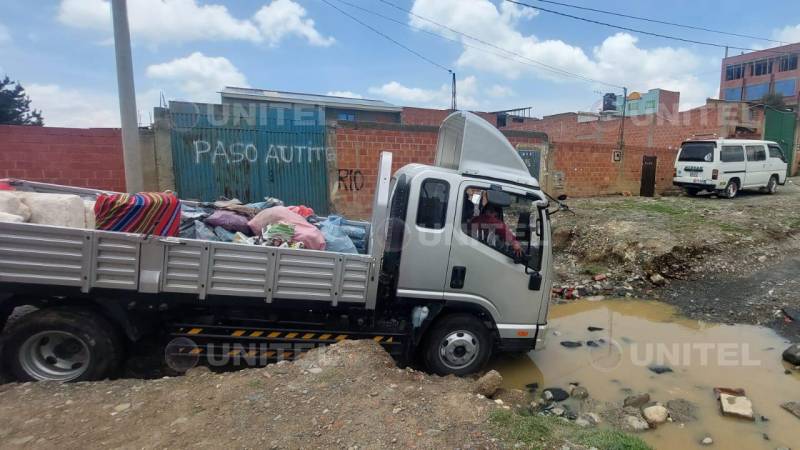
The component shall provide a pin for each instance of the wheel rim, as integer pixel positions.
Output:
(732, 190)
(54, 356)
(459, 349)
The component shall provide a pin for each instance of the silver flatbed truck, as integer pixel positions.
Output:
(435, 285)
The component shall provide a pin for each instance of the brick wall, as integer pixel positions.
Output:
(78, 157)
(359, 145)
(435, 117)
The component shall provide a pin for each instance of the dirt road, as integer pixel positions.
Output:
(730, 261)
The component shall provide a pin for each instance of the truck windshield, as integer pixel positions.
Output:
(697, 152)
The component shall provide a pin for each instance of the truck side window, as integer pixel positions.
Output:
(756, 153)
(432, 210)
(731, 153)
(502, 227)
(776, 152)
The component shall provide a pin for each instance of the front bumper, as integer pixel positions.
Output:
(512, 342)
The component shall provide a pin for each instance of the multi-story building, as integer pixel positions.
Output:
(653, 101)
(750, 76)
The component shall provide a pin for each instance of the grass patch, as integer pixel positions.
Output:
(548, 432)
(594, 269)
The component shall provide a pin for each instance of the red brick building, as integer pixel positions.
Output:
(750, 76)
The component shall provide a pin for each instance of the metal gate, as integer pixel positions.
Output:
(533, 159)
(648, 186)
(780, 127)
(250, 162)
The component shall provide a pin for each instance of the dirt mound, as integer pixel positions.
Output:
(345, 395)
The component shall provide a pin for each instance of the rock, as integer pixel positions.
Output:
(488, 384)
(707, 440)
(736, 406)
(792, 354)
(557, 411)
(682, 411)
(579, 392)
(554, 394)
(197, 371)
(595, 329)
(657, 279)
(122, 407)
(659, 369)
(655, 414)
(581, 422)
(792, 407)
(571, 344)
(600, 277)
(315, 370)
(637, 400)
(762, 259)
(636, 423)
(591, 418)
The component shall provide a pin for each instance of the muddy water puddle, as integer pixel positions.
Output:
(639, 334)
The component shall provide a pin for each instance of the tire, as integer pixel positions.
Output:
(772, 185)
(692, 192)
(63, 345)
(730, 190)
(458, 344)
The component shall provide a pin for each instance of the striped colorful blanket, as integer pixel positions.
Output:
(153, 213)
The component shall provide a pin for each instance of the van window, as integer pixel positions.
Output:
(731, 153)
(756, 153)
(432, 209)
(776, 152)
(697, 152)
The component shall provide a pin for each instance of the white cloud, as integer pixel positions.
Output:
(283, 18)
(198, 77)
(160, 21)
(348, 94)
(5, 35)
(396, 92)
(789, 34)
(498, 91)
(617, 60)
(72, 107)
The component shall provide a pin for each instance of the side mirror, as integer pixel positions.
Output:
(534, 259)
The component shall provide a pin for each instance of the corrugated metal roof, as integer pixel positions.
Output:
(308, 99)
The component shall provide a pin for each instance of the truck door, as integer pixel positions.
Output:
(481, 269)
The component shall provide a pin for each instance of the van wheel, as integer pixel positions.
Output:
(772, 185)
(731, 189)
(459, 344)
(61, 345)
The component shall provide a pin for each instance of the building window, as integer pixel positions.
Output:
(788, 62)
(733, 94)
(761, 68)
(786, 88)
(734, 72)
(756, 91)
(346, 115)
(432, 208)
(650, 105)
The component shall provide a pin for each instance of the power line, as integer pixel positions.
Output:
(635, 30)
(507, 52)
(375, 30)
(663, 22)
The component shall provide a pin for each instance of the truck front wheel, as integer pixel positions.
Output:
(458, 344)
(62, 345)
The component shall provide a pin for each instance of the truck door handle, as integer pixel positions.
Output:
(457, 278)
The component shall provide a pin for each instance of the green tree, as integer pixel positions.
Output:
(15, 105)
(774, 100)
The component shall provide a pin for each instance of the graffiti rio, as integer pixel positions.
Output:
(248, 153)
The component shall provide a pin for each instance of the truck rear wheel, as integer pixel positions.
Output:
(61, 345)
(458, 344)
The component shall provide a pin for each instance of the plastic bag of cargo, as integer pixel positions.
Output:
(241, 238)
(13, 218)
(11, 204)
(335, 238)
(304, 232)
(223, 234)
(62, 210)
(202, 231)
(228, 220)
(354, 232)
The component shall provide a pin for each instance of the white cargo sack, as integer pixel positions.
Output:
(88, 214)
(11, 204)
(63, 210)
(13, 218)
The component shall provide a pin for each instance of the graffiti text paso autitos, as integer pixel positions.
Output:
(220, 152)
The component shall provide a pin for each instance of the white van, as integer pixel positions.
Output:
(725, 166)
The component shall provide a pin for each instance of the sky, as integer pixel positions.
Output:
(63, 53)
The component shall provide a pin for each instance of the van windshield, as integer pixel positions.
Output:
(697, 152)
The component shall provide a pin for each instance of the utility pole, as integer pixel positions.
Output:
(454, 105)
(134, 180)
(621, 141)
